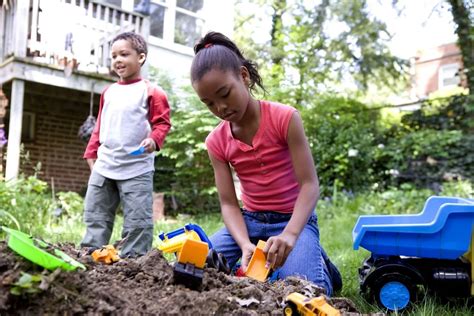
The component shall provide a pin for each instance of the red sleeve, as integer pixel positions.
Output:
(280, 116)
(215, 144)
(159, 115)
(93, 145)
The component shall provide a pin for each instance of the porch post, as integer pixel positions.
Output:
(20, 28)
(14, 134)
(2, 33)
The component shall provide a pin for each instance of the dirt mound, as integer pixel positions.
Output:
(140, 286)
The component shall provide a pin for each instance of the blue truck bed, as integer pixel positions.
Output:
(443, 230)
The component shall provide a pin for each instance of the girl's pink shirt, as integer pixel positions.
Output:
(265, 169)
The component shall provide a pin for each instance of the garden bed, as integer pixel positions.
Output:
(140, 286)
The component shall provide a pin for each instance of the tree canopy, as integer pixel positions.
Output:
(315, 48)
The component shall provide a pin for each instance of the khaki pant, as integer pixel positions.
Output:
(100, 206)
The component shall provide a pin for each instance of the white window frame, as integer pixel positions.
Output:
(169, 26)
(442, 75)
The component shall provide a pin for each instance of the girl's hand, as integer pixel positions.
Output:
(278, 248)
(148, 144)
(247, 252)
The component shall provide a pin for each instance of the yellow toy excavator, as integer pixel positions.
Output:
(193, 251)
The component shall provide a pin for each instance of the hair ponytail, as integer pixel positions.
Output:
(216, 50)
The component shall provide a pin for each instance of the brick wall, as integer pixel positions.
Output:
(58, 113)
(428, 63)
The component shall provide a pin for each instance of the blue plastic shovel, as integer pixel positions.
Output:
(137, 152)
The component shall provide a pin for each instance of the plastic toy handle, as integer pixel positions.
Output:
(200, 233)
(171, 234)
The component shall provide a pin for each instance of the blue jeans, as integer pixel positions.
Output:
(306, 260)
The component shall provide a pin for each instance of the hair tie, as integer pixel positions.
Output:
(208, 45)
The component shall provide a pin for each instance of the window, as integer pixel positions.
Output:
(176, 21)
(188, 27)
(448, 76)
(117, 3)
(27, 126)
(157, 18)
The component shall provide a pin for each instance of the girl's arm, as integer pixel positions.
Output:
(278, 247)
(230, 209)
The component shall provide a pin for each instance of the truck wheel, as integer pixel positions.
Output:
(290, 309)
(394, 291)
(223, 266)
(212, 259)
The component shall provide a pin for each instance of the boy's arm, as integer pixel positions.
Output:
(230, 209)
(93, 144)
(278, 247)
(159, 116)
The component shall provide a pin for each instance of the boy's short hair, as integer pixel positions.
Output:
(136, 40)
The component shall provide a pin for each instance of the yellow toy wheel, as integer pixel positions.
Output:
(290, 309)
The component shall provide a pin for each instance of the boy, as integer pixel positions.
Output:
(133, 114)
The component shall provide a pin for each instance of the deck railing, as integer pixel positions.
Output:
(61, 31)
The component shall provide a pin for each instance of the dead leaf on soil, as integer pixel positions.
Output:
(244, 302)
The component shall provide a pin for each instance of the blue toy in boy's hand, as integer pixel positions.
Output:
(137, 152)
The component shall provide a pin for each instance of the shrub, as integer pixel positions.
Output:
(24, 203)
(341, 133)
(430, 145)
(183, 170)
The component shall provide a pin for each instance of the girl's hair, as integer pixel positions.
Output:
(216, 50)
(136, 40)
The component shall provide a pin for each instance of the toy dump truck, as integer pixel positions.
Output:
(298, 304)
(432, 249)
(193, 251)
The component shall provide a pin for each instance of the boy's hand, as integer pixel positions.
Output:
(278, 248)
(90, 162)
(148, 144)
(247, 252)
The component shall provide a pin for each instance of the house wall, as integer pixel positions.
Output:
(59, 112)
(58, 115)
(427, 65)
(175, 59)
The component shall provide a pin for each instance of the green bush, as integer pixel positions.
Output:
(342, 135)
(24, 203)
(355, 149)
(183, 169)
(430, 145)
(419, 157)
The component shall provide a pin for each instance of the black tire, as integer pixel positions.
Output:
(394, 291)
(289, 309)
(212, 259)
(223, 266)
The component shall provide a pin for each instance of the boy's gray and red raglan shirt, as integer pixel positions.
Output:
(129, 112)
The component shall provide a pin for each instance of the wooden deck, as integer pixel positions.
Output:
(62, 44)
(62, 41)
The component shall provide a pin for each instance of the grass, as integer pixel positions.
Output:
(337, 217)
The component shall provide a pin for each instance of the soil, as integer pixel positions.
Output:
(142, 285)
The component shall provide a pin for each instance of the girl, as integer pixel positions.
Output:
(265, 144)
